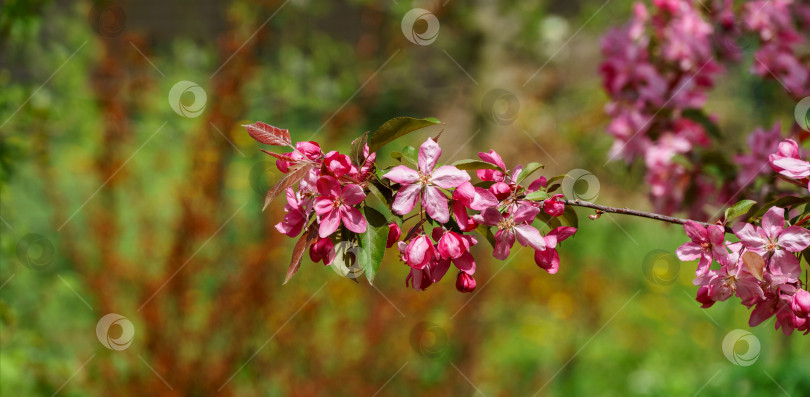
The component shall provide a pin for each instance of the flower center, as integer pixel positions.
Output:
(506, 223)
(706, 246)
(424, 179)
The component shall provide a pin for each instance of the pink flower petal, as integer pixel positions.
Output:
(323, 205)
(794, 239)
(429, 153)
(435, 203)
(448, 177)
(402, 175)
(465, 263)
(783, 263)
(504, 240)
(493, 158)
(438, 268)
(526, 214)
(773, 222)
(750, 237)
(353, 219)
(793, 168)
(329, 223)
(352, 194)
(406, 198)
(450, 245)
(563, 232)
(528, 235)
(328, 186)
(695, 231)
(483, 199)
(689, 251)
(548, 260)
(489, 217)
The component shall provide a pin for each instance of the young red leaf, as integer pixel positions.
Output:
(755, 264)
(279, 156)
(267, 134)
(293, 176)
(303, 244)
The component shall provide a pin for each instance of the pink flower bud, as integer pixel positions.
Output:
(554, 207)
(801, 303)
(465, 282)
(338, 164)
(394, 232)
(704, 297)
(323, 249)
(501, 190)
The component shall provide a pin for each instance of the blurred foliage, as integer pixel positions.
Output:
(130, 195)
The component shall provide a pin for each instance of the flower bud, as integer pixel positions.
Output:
(394, 232)
(801, 303)
(501, 190)
(323, 249)
(554, 207)
(465, 282)
(704, 297)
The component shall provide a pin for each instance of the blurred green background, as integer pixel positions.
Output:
(157, 217)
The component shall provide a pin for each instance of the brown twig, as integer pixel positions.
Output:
(628, 211)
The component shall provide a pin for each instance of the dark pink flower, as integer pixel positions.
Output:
(419, 252)
(706, 244)
(549, 259)
(465, 282)
(704, 297)
(336, 205)
(322, 250)
(303, 150)
(501, 190)
(801, 303)
(425, 183)
(393, 235)
(475, 198)
(553, 206)
(298, 211)
(511, 226)
(491, 175)
(338, 164)
(786, 161)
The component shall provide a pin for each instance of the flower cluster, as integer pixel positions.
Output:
(332, 205)
(761, 269)
(499, 202)
(658, 71)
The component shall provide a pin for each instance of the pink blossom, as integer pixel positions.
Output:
(553, 206)
(338, 164)
(303, 150)
(475, 198)
(549, 259)
(297, 210)
(501, 190)
(775, 242)
(335, 206)
(465, 282)
(322, 250)
(704, 297)
(732, 278)
(418, 252)
(801, 303)
(706, 244)
(364, 172)
(425, 182)
(510, 226)
(455, 247)
(786, 161)
(491, 175)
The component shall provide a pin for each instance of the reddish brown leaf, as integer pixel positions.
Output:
(280, 156)
(755, 263)
(267, 134)
(303, 244)
(294, 175)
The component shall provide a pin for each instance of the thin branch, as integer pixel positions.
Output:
(628, 211)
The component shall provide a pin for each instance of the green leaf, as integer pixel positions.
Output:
(569, 217)
(787, 201)
(739, 209)
(372, 243)
(537, 196)
(408, 153)
(528, 170)
(356, 152)
(485, 231)
(550, 221)
(396, 128)
(698, 116)
(470, 164)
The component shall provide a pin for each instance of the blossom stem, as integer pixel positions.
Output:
(628, 211)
